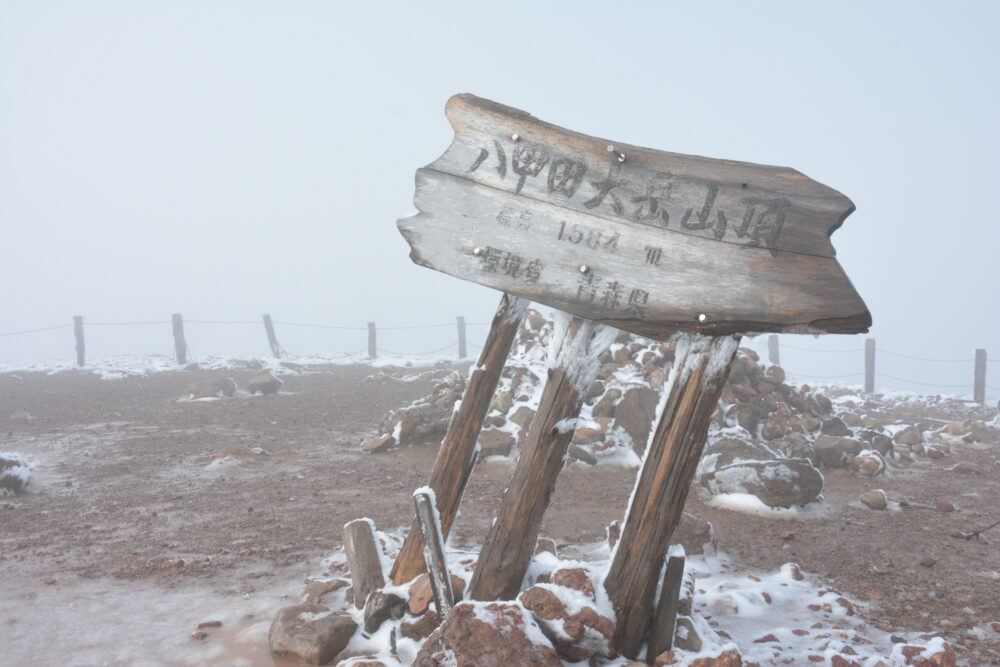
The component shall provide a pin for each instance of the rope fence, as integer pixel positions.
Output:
(979, 360)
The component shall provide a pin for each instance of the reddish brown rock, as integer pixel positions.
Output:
(378, 445)
(730, 658)
(576, 578)
(943, 658)
(543, 603)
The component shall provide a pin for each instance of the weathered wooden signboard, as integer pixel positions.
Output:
(643, 240)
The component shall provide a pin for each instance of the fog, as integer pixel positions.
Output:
(229, 159)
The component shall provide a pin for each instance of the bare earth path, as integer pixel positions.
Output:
(131, 531)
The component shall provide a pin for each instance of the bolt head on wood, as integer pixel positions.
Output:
(477, 252)
(584, 268)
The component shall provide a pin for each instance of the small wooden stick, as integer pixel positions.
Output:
(434, 557)
(663, 483)
(661, 637)
(363, 559)
(456, 456)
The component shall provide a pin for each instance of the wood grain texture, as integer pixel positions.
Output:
(675, 227)
(363, 560)
(511, 540)
(661, 636)
(456, 454)
(434, 557)
(658, 500)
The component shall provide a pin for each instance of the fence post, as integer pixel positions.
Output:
(773, 353)
(272, 340)
(371, 340)
(979, 379)
(870, 365)
(180, 347)
(461, 337)
(78, 332)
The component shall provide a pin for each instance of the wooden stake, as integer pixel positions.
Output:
(180, 345)
(462, 352)
(363, 559)
(773, 350)
(662, 487)
(508, 548)
(869, 365)
(661, 637)
(453, 465)
(434, 557)
(372, 350)
(272, 340)
(78, 333)
(979, 378)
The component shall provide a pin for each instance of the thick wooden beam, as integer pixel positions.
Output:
(363, 559)
(661, 637)
(272, 339)
(510, 543)
(434, 556)
(663, 483)
(453, 465)
(180, 345)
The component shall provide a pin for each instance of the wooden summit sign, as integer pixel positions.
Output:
(643, 240)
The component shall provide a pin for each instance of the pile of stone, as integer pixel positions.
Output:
(265, 383)
(15, 473)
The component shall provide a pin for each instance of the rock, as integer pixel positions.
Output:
(316, 589)
(784, 483)
(310, 633)
(494, 442)
(657, 378)
(383, 443)
(911, 435)
(875, 499)
(835, 426)
(587, 436)
(966, 468)
(775, 427)
(635, 414)
(608, 404)
(427, 417)
(264, 384)
(522, 416)
(576, 578)
(546, 544)
(916, 655)
(868, 463)
(728, 658)
(487, 633)
(582, 454)
(594, 391)
(777, 373)
(823, 403)
(927, 561)
(696, 535)
(212, 388)
(835, 452)
(945, 506)
(380, 607)
(726, 451)
(502, 402)
(796, 446)
(15, 472)
(421, 628)
(421, 593)
(882, 444)
(543, 603)
(686, 638)
(21, 416)
(850, 419)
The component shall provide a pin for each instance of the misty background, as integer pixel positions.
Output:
(229, 159)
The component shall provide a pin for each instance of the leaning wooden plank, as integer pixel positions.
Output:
(661, 489)
(434, 557)
(510, 543)
(363, 559)
(661, 637)
(674, 242)
(629, 275)
(453, 464)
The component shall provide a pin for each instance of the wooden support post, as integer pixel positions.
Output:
(80, 347)
(869, 365)
(663, 483)
(979, 378)
(661, 637)
(773, 351)
(372, 351)
(272, 340)
(180, 345)
(363, 559)
(434, 556)
(461, 337)
(510, 543)
(458, 450)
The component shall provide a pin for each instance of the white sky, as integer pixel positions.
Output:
(226, 159)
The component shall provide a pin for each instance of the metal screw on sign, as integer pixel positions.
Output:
(515, 137)
(702, 317)
(477, 252)
(584, 268)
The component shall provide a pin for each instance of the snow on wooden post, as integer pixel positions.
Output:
(661, 637)
(661, 489)
(511, 540)
(434, 556)
(180, 345)
(272, 340)
(456, 456)
(372, 350)
(363, 559)
(461, 337)
(869, 365)
(979, 378)
(773, 351)
(78, 333)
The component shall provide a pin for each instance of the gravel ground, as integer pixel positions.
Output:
(129, 492)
